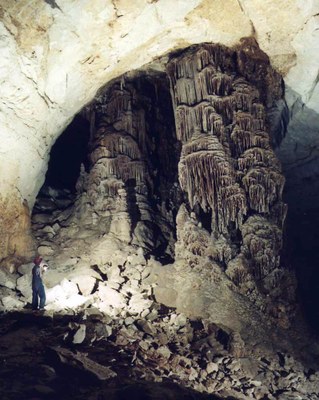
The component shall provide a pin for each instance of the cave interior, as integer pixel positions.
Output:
(72, 149)
(179, 165)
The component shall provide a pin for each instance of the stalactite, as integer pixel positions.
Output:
(114, 144)
(244, 140)
(200, 118)
(208, 177)
(264, 188)
(203, 58)
(131, 184)
(258, 157)
(258, 111)
(186, 93)
(114, 104)
(224, 106)
(243, 121)
(219, 84)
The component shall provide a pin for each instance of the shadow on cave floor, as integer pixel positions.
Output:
(33, 368)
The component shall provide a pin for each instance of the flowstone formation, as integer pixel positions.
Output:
(233, 216)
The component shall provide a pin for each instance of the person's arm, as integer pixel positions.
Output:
(43, 266)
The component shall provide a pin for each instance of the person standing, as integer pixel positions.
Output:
(38, 290)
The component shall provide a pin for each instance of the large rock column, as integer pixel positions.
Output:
(228, 170)
(131, 185)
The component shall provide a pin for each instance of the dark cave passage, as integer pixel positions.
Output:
(68, 153)
(58, 192)
(303, 255)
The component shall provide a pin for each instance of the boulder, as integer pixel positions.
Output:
(85, 283)
(11, 303)
(110, 296)
(24, 285)
(80, 334)
(146, 327)
(69, 288)
(7, 279)
(138, 303)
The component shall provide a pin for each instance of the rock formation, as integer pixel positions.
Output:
(172, 241)
(131, 184)
(56, 74)
(227, 168)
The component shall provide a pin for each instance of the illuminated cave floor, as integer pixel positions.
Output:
(31, 368)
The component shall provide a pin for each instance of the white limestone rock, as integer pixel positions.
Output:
(25, 268)
(211, 367)
(45, 250)
(137, 258)
(69, 288)
(80, 334)
(7, 279)
(110, 296)
(12, 303)
(75, 301)
(85, 283)
(55, 293)
(138, 303)
(164, 351)
(24, 285)
(114, 274)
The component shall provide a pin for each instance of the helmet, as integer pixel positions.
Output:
(37, 260)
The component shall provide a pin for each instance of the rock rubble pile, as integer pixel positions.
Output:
(114, 305)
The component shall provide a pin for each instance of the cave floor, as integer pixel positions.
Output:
(32, 369)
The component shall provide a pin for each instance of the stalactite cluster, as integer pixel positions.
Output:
(227, 165)
(207, 175)
(118, 172)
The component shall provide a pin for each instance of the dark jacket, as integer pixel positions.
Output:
(36, 276)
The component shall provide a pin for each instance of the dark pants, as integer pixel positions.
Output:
(38, 291)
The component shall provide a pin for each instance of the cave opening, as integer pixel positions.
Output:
(58, 191)
(67, 154)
